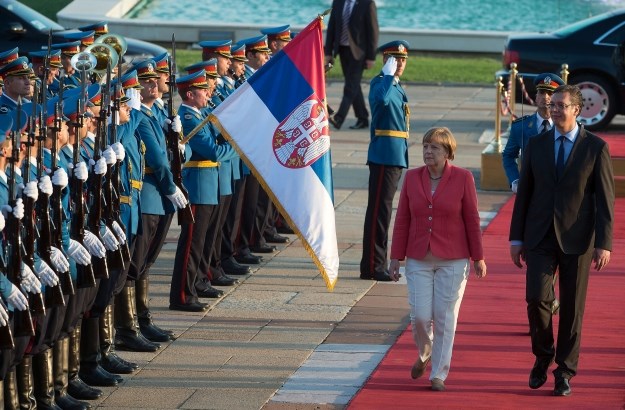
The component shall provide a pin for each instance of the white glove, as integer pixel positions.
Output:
(46, 274)
(135, 98)
(2, 222)
(78, 253)
(99, 167)
(390, 66)
(110, 242)
(17, 210)
(109, 156)
(119, 151)
(30, 283)
(80, 171)
(515, 185)
(31, 191)
(16, 299)
(4, 316)
(176, 125)
(94, 245)
(181, 148)
(60, 178)
(178, 199)
(45, 185)
(119, 232)
(59, 261)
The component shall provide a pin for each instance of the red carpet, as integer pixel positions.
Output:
(492, 356)
(616, 143)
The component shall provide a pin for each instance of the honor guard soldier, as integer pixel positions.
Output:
(387, 157)
(86, 38)
(221, 51)
(68, 50)
(277, 37)
(99, 29)
(38, 58)
(16, 83)
(161, 66)
(201, 176)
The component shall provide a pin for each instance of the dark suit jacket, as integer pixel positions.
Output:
(363, 29)
(580, 206)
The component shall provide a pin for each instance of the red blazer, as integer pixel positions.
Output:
(447, 223)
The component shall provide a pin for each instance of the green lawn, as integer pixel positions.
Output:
(48, 8)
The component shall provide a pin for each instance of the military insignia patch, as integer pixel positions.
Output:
(188, 117)
(303, 136)
(4, 110)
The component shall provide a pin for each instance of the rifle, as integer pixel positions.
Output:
(239, 80)
(35, 300)
(65, 278)
(54, 294)
(85, 277)
(185, 216)
(22, 320)
(6, 337)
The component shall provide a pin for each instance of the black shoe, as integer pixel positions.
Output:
(360, 124)
(209, 292)
(232, 267)
(275, 238)
(366, 277)
(382, 277)
(538, 375)
(249, 259)
(263, 249)
(99, 377)
(224, 280)
(67, 402)
(115, 364)
(336, 122)
(562, 387)
(555, 307)
(152, 332)
(82, 391)
(134, 342)
(189, 307)
(285, 229)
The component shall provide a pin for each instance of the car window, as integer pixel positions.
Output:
(39, 21)
(613, 37)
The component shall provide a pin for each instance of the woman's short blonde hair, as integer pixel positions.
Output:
(443, 136)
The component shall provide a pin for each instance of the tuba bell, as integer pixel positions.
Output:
(104, 55)
(84, 61)
(116, 41)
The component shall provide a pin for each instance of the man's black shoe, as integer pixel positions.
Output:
(538, 375)
(248, 259)
(81, 390)
(382, 277)
(224, 280)
(263, 249)
(360, 124)
(336, 123)
(275, 238)
(188, 307)
(232, 267)
(210, 292)
(285, 229)
(562, 387)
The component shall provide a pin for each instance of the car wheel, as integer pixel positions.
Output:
(599, 101)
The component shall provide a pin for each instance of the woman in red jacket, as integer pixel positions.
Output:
(437, 228)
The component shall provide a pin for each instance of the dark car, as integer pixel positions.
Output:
(23, 27)
(592, 48)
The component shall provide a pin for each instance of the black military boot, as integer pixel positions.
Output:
(11, 400)
(127, 334)
(60, 370)
(76, 387)
(24, 375)
(109, 360)
(43, 381)
(148, 329)
(90, 370)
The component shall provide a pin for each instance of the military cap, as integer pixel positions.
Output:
(8, 56)
(194, 80)
(70, 108)
(6, 123)
(397, 48)
(91, 91)
(547, 81)
(31, 73)
(209, 67)
(278, 33)
(68, 49)
(162, 63)
(39, 57)
(51, 107)
(86, 38)
(23, 119)
(100, 28)
(238, 52)
(221, 47)
(258, 43)
(146, 69)
(129, 80)
(16, 68)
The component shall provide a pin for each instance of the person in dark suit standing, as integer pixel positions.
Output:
(352, 35)
(563, 219)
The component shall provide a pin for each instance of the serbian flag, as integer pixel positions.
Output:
(278, 123)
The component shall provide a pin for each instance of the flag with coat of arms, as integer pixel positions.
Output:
(278, 123)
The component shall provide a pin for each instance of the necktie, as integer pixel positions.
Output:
(347, 12)
(560, 160)
(545, 126)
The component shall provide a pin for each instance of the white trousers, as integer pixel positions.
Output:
(435, 290)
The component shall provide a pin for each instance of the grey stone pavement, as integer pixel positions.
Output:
(279, 339)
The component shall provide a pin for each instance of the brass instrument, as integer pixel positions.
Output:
(104, 54)
(119, 43)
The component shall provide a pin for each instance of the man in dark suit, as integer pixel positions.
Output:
(563, 218)
(352, 35)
